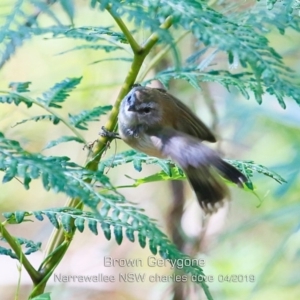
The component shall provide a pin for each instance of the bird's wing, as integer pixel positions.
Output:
(201, 165)
(189, 123)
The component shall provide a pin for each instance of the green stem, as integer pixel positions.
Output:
(159, 56)
(33, 273)
(132, 42)
(129, 81)
(58, 235)
(56, 257)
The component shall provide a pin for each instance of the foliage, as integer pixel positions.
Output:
(30, 246)
(217, 28)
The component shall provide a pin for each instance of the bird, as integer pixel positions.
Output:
(153, 121)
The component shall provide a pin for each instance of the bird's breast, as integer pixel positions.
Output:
(141, 141)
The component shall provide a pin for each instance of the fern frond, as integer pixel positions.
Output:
(80, 120)
(221, 32)
(59, 92)
(45, 8)
(244, 82)
(248, 167)
(64, 139)
(15, 38)
(172, 172)
(137, 158)
(126, 59)
(176, 174)
(55, 120)
(61, 175)
(134, 224)
(106, 48)
(20, 87)
(87, 33)
(19, 24)
(280, 16)
(56, 173)
(15, 96)
(30, 246)
(69, 8)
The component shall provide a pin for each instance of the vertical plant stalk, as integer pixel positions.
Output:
(33, 273)
(60, 240)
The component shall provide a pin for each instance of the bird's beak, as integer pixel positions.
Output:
(131, 108)
(131, 101)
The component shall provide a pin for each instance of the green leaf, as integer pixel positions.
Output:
(130, 234)
(52, 218)
(20, 216)
(106, 230)
(69, 8)
(118, 234)
(79, 223)
(63, 139)
(59, 92)
(248, 167)
(192, 74)
(115, 214)
(106, 48)
(55, 120)
(137, 164)
(93, 226)
(38, 215)
(8, 215)
(125, 59)
(135, 224)
(8, 252)
(93, 33)
(66, 223)
(80, 120)
(142, 239)
(9, 175)
(137, 158)
(20, 87)
(175, 174)
(152, 246)
(29, 245)
(16, 99)
(105, 209)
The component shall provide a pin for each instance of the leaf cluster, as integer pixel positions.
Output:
(30, 247)
(61, 175)
(235, 36)
(225, 27)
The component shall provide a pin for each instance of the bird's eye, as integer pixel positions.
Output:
(146, 110)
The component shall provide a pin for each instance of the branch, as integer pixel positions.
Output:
(33, 273)
(129, 81)
(132, 42)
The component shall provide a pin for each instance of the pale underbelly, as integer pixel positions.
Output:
(150, 145)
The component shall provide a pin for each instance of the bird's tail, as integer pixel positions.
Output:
(202, 167)
(209, 187)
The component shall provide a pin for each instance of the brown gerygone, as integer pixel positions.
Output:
(158, 124)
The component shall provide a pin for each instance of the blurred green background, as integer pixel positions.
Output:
(248, 237)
